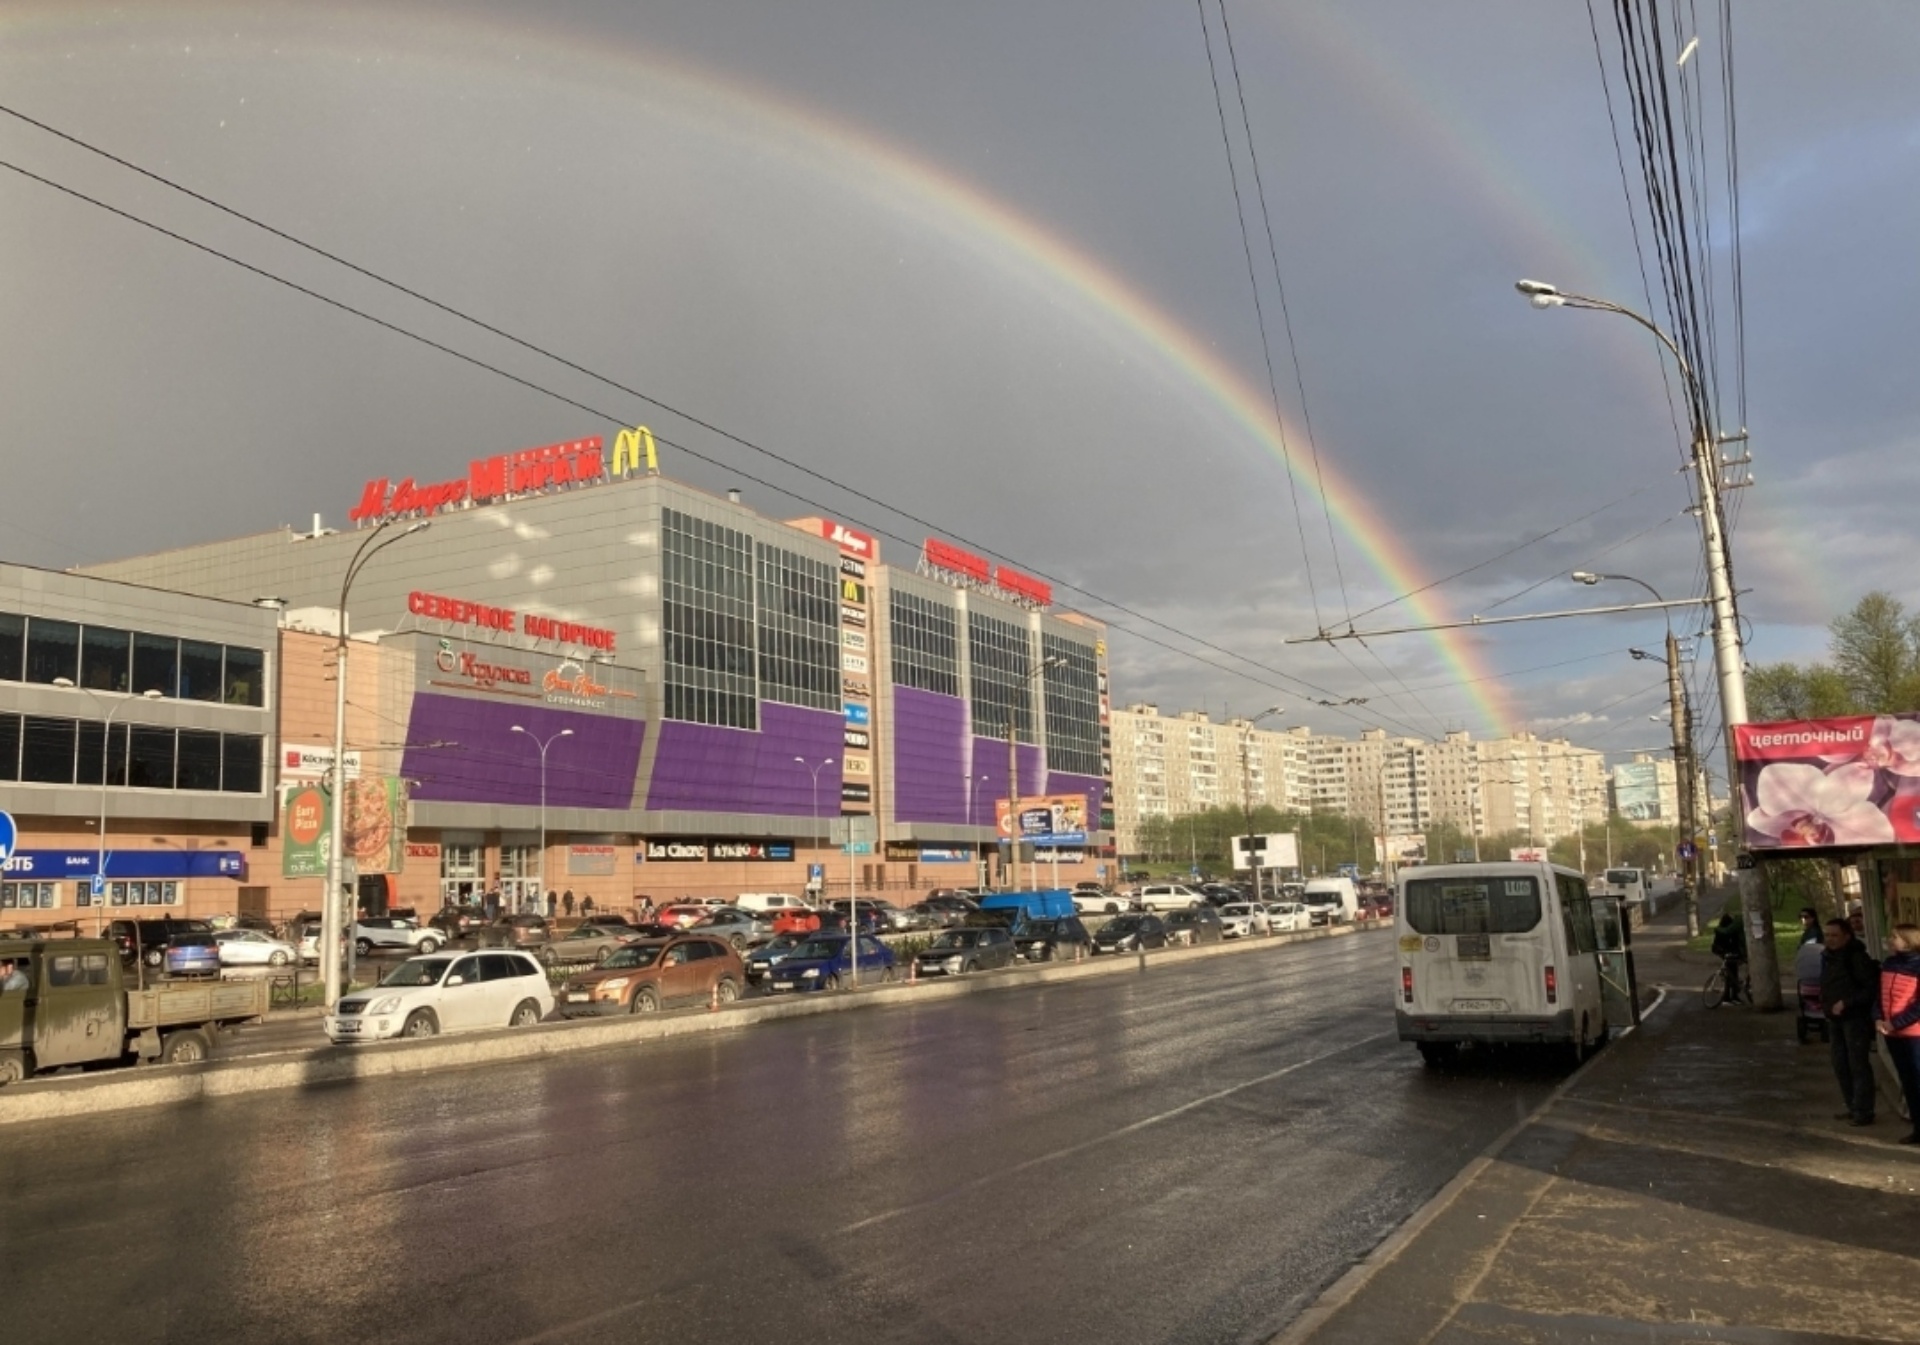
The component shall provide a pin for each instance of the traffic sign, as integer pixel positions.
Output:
(8, 835)
(97, 885)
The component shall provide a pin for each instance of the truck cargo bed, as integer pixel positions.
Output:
(205, 1002)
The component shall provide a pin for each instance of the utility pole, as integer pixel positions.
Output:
(1683, 767)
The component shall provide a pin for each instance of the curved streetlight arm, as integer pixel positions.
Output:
(1543, 295)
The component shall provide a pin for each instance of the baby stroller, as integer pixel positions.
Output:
(1811, 1017)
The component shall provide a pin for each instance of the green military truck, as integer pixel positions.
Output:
(66, 1002)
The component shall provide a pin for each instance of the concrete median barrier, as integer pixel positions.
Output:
(154, 1086)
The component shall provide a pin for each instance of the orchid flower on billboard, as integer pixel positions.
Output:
(1800, 804)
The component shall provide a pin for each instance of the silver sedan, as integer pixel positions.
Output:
(251, 948)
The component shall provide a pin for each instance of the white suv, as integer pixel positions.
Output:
(389, 931)
(1169, 897)
(445, 992)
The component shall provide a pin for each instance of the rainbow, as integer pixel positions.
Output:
(1003, 239)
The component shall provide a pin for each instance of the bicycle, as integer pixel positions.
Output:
(1714, 993)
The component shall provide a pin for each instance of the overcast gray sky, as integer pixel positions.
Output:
(981, 261)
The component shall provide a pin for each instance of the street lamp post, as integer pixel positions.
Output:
(106, 756)
(1013, 769)
(331, 908)
(814, 771)
(1762, 953)
(539, 896)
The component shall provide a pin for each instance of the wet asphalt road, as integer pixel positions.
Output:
(1188, 1155)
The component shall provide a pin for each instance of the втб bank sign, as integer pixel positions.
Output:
(531, 471)
(1830, 782)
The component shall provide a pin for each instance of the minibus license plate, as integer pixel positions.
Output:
(1473, 945)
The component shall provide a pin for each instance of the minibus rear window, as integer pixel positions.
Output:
(1475, 905)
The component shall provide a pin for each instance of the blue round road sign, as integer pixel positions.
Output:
(8, 835)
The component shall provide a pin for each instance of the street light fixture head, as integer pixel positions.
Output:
(1587, 577)
(517, 729)
(1640, 653)
(154, 694)
(420, 526)
(565, 733)
(1531, 288)
(66, 682)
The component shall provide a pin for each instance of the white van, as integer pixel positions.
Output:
(1630, 885)
(1168, 897)
(768, 901)
(1332, 901)
(1496, 953)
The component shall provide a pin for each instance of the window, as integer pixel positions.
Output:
(90, 765)
(150, 758)
(53, 650)
(197, 760)
(1579, 912)
(13, 646)
(47, 750)
(798, 615)
(499, 967)
(200, 671)
(29, 896)
(1000, 662)
(926, 643)
(9, 747)
(1073, 706)
(1476, 905)
(106, 659)
(245, 677)
(707, 622)
(156, 664)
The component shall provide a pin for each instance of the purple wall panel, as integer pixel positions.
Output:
(704, 768)
(487, 762)
(928, 739)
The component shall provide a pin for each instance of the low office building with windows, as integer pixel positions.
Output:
(148, 711)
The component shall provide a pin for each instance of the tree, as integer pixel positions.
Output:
(1789, 691)
(1876, 652)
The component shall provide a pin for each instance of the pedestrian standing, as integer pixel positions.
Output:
(553, 903)
(1898, 1013)
(586, 907)
(1809, 925)
(566, 903)
(1849, 989)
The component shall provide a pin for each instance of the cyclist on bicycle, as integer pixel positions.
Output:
(1730, 946)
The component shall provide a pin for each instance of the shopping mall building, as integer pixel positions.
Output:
(673, 694)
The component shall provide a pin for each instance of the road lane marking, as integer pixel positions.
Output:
(1129, 1129)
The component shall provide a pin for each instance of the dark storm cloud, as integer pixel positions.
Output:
(550, 170)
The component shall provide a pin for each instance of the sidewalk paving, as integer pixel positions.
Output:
(1691, 1184)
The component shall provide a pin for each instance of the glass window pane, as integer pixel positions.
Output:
(240, 763)
(53, 650)
(46, 751)
(150, 758)
(9, 747)
(245, 670)
(199, 671)
(105, 658)
(13, 644)
(199, 760)
(156, 664)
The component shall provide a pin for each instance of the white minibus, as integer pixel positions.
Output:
(1496, 953)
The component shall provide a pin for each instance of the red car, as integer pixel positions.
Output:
(795, 920)
(681, 914)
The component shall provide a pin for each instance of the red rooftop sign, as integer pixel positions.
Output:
(576, 462)
(435, 607)
(1022, 588)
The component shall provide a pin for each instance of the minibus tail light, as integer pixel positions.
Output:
(1406, 984)
(1553, 987)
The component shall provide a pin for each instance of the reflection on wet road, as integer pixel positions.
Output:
(1185, 1155)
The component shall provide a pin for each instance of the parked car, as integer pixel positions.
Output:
(219, 923)
(947, 907)
(390, 931)
(739, 928)
(835, 921)
(681, 913)
(1168, 897)
(1222, 894)
(825, 962)
(148, 939)
(456, 922)
(515, 931)
(889, 917)
(795, 920)
(593, 942)
(1097, 900)
(1196, 925)
(193, 953)
(1054, 939)
(762, 960)
(251, 948)
(768, 901)
(958, 951)
(1288, 917)
(656, 974)
(1131, 934)
(445, 992)
(1243, 919)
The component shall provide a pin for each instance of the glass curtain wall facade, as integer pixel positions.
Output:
(799, 629)
(1072, 706)
(707, 622)
(1000, 662)
(105, 658)
(926, 644)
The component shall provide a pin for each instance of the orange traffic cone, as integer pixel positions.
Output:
(913, 971)
(713, 999)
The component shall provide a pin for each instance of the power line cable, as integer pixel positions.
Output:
(610, 418)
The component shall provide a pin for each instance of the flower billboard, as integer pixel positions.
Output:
(1830, 782)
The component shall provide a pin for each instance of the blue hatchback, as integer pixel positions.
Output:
(824, 962)
(190, 954)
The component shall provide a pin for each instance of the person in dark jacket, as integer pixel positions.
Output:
(1849, 988)
(1730, 946)
(1898, 1015)
(1809, 926)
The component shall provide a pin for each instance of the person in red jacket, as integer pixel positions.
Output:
(1897, 1016)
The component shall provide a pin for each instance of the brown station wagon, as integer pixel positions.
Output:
(655, 974)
